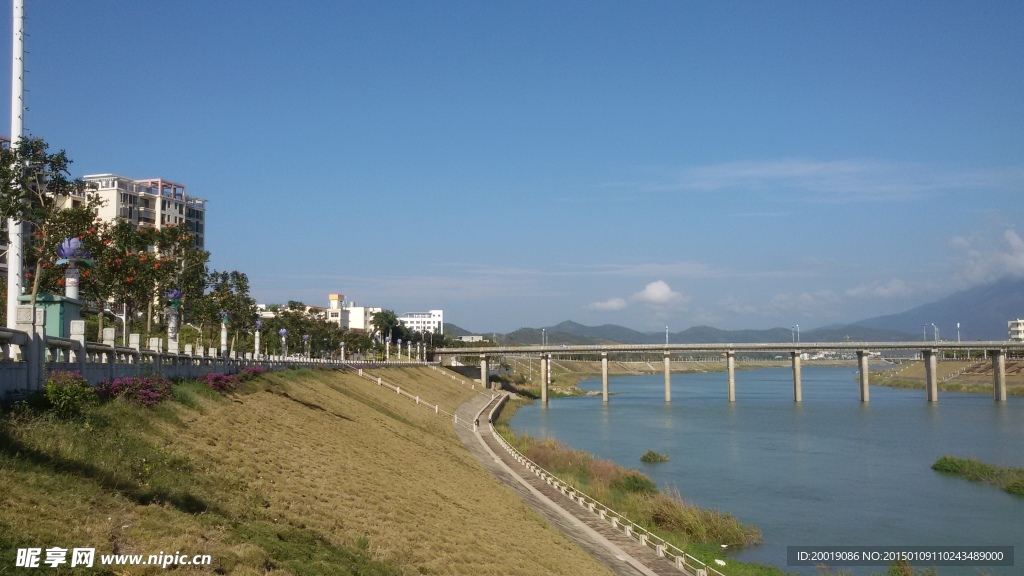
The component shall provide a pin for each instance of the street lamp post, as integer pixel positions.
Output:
(224, 333)
(71, 252)
(123, 317)
(173, 296)
(256, 342)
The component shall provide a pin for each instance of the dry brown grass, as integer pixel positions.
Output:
(326, 453)
(351, 459)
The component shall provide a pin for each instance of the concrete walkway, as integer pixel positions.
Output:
(621, 554)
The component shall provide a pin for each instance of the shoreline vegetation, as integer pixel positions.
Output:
(651, 456)
(1011, 480)
(701, 532)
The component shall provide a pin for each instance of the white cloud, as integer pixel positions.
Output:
(892, 289)
(658, 293)
(837, 180)
(981, 262)
(610, 305)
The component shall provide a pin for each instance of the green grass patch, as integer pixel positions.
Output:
(304, 553)
(1009, 479)
(651, 456)
(111, 477)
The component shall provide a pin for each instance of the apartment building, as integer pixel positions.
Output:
(432, 321)
(153, 202)
(1016, 330)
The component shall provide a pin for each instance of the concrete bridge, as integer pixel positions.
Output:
(929, 351)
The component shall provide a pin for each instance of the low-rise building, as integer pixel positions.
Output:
(349, 316)
(432, 321)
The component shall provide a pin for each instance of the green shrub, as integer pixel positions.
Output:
(68, 393)
(652, 456)
(635, 483)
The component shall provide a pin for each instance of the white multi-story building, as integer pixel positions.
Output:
(1016, 329)
(154, 202)
(349, 316)
(432, 321)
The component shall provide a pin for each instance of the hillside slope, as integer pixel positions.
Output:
(325, 463)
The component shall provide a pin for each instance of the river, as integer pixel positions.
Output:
(830, 471)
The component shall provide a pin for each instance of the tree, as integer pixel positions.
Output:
(229, 294)
(35, 186)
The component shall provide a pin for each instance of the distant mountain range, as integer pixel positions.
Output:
(982, 312)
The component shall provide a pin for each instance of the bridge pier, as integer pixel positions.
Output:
(668, 378)
(798, 395)
(931, 370)
(730, 367)
(544, 378)
(604, 377)
(999, 375)
(483, 371)
(863, 375)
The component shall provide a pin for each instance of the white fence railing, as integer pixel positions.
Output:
(27, 354)
(464, 423)
(682, 560)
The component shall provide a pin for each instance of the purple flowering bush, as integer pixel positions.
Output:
(142, 390)
(251, 372)
(222, 383)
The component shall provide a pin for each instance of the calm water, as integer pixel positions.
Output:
(829, 471)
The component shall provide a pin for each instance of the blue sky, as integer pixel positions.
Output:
(738, 164)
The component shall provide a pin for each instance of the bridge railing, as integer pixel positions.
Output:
(662, 548)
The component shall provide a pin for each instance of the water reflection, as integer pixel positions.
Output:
(828, 470)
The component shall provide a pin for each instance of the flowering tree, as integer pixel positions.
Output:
(35, 188)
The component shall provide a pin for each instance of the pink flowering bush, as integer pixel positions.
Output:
(222, 383)
(139, 390)
(251, 372)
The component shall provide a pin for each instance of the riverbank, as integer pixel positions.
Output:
(299, 472)
(973, 376)
(704, 533)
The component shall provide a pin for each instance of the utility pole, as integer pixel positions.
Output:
(14, 247)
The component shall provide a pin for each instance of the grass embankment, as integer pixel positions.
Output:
(972, 376)
(1009, 479)
(298, 472)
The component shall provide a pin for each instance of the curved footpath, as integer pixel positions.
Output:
(611, 547)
